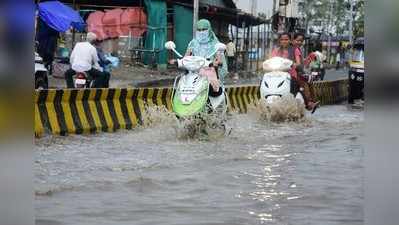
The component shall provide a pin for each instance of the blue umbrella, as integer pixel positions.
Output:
(60, 17)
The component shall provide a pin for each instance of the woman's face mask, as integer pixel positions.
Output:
(202, 36)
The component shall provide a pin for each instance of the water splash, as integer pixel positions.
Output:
(285, 109)
(204, 126)
(155, 116)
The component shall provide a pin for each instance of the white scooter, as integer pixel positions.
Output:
(191, 94)
(277, 82)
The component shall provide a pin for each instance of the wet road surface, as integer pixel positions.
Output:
(300, 173)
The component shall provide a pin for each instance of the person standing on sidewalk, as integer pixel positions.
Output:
(348, 56)
(337, 60)
(231, 52)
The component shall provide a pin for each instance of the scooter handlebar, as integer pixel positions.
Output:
(170, 45)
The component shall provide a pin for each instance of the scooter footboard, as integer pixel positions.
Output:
(213, 93)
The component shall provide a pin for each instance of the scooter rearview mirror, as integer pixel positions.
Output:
(170, 45)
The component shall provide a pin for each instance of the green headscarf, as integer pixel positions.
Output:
(205, 24)
(204, 49)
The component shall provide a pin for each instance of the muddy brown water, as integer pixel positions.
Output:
(300, 173)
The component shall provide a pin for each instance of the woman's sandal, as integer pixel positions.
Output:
(315, 106)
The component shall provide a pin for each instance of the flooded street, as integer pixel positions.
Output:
(304, 173)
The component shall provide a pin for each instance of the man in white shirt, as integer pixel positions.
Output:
(230, 52)
(84, 58)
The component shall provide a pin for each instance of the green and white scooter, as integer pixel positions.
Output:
(191, 91)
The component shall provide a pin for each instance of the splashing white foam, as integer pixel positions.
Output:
(285, 109)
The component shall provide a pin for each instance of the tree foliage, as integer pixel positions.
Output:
(319, 10)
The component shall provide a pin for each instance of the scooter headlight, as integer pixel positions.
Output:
(193, 63)
(274, 65)
(277, 64)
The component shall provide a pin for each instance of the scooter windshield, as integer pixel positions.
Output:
(193, 63)
(277, 64)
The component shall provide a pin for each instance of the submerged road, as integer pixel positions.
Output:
(304, 173)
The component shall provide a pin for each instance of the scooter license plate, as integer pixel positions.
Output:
(80, 81)
(315, 73)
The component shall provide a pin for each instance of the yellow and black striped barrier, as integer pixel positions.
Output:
(75, 111)
(331, 92)
(241, 96)
(83, 111)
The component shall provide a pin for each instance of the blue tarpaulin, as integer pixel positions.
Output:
(60, 17)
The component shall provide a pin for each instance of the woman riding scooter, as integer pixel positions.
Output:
(285, 50)
(297, 43)
(202, 45)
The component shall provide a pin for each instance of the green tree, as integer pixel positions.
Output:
(340, 19)
(358, 26)
(319, 10)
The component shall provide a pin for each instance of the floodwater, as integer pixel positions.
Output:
(295, 173)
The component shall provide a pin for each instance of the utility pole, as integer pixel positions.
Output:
(271, 37)
(195, 15)
(351, 22)
(329, 31)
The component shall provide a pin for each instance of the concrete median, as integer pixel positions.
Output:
(85, 111)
